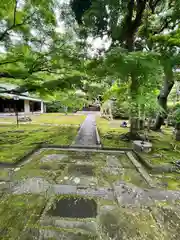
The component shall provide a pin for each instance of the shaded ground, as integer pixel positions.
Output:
(62, 194)
(85, 195)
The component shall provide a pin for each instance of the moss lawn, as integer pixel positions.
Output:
(17, 142)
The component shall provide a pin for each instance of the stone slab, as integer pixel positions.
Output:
(53, 157)
(64, 189)
(32, 185)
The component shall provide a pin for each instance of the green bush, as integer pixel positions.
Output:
(120, 110)
(173, 108)
(57, 106)
(173, 114)
(53, 107)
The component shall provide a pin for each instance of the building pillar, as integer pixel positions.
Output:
(42, 107)
(26, 106)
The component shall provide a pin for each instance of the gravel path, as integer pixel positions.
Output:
(87, 133)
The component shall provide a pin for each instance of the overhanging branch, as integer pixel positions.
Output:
(14, 25)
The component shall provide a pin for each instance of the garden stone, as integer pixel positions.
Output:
(104, 193)
(127, 193)
(53, 157)
(25, 119)
(112, 161)
(157, 155)
(64, 189)
(17, 169)
(32, 185)
(142, 146)
(177, 163)
(62, 223)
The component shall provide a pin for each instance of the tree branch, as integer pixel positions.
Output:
(13, 26)
(153, 4)
(141, 5)
(6, 75)
(15, 8)
(165, 25)
(7, 62)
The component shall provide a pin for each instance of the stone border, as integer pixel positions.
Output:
(73, 142)
(140, 169)
(98, 140)
(81, 147)
(154, 168)
(96, 148)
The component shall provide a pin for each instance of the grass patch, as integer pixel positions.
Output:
(163, 143)
(5, 174)
(57, 118)
(110, 133)
(131, 223)
(37, 168)
(17, 142)
(49, 118)
(163, 151)
(168, 181)
(17, 212)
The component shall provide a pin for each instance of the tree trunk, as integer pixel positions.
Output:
(162, 98)
(149, 124)
(141, 124)
(134, 126)
(177, 136)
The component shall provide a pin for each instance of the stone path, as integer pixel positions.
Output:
(87, 134)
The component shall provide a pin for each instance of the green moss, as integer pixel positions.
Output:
(5, 174)
(50, 118)
(168, 180)
(64, 233)
(15, 145)
(130, 223)
(110, 136)
(58, 118)
(127, 175)
(17, 212)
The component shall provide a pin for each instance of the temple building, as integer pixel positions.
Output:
(23, 103)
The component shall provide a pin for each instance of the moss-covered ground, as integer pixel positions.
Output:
(25, 216)
(110, 132)
(17, 142)
(49, 165)
(163, 142)
(165, 149)
(18, 212)
(49, 118)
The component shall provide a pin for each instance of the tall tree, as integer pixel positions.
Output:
(130, 24)
(168, 46)
(120, 22)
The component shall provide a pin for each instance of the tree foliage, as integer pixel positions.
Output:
(34, 54)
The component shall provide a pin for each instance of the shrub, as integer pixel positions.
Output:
(54, 107)
(120, 110)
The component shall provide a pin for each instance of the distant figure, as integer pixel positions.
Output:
(66, 110)
(124, 124)
(106, 109)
